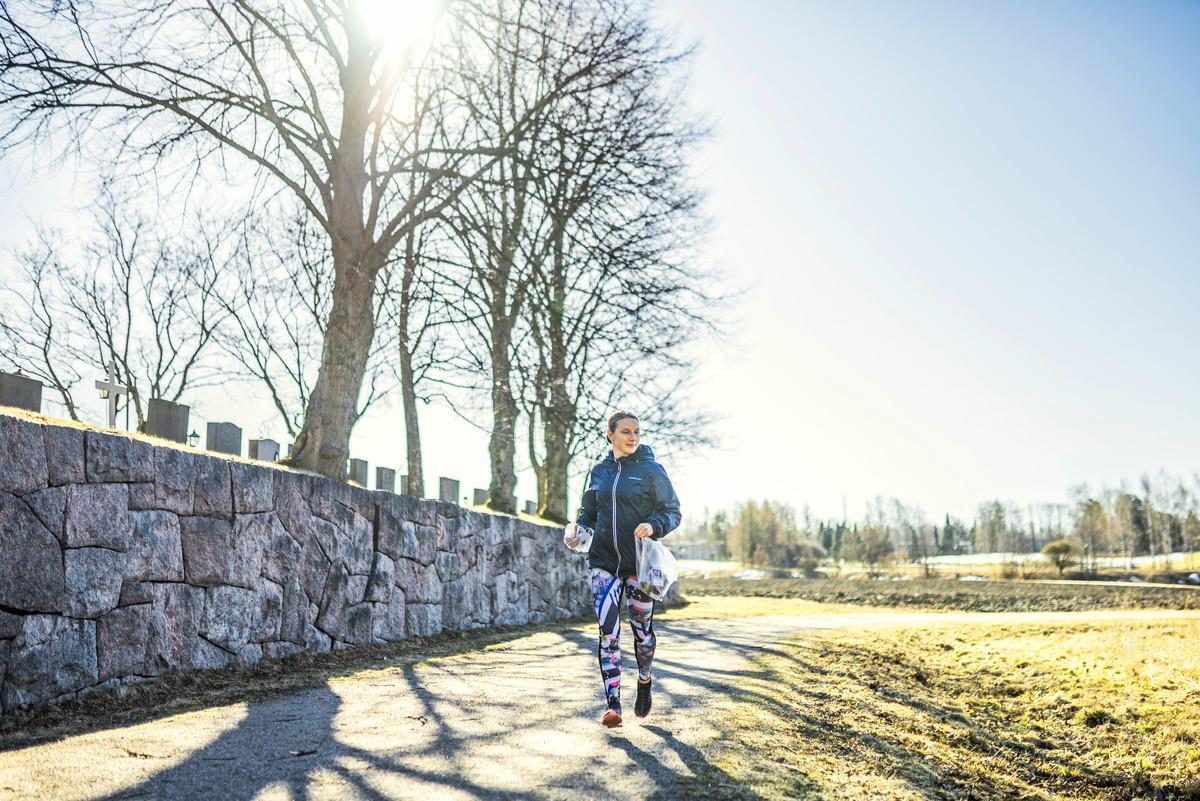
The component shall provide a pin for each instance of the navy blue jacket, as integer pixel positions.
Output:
(621, 494)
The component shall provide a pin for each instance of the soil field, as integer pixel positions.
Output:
(971, 596)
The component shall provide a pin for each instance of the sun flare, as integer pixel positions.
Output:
(402, 24)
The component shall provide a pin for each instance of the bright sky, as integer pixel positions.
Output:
(968, 238)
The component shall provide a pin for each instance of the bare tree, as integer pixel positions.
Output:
(419, 316)
(1090, 525)
(144, 303)
(587, 237)
(278, 301)
(991, 526)
(614, 305)
(35, 326)
(277, 296)
(302, 95)
(503, 234)
(421, 323)
(1147, 509)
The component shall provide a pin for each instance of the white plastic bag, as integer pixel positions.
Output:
(657, 568)
(582, 534)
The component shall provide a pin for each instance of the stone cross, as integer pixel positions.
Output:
(111, 389)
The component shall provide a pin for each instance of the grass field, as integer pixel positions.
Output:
(1106, 711)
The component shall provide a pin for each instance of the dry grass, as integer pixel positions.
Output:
(1106, 711)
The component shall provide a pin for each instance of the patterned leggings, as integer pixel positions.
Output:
(607, 592)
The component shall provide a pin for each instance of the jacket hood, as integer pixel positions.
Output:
(644, 453)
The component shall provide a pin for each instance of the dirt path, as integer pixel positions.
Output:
(512, 721)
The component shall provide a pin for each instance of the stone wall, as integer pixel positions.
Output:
(121, 559)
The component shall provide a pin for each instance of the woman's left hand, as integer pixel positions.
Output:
(643, 531)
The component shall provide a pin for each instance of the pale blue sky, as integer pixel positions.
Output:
(968, 237)
(971, 236)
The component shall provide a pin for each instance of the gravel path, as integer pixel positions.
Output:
(518, 720)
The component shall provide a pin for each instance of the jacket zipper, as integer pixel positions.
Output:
(616, 547)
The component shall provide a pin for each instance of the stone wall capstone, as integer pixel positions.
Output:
(121, 560)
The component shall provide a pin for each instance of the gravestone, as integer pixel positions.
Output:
(358, 471)
(480, 496)
(265, 450)
(167, 420)
(224, 438)
(20, 391)
(531, 507)
(403, 485)
(447, 489)
(385, 479)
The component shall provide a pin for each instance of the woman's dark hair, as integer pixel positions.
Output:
(618, 417)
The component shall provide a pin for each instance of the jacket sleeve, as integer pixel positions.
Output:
(666, 517)
(587, 511)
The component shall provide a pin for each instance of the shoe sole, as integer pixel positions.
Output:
(611, 719)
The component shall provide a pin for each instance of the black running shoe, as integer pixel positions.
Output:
(641, 707)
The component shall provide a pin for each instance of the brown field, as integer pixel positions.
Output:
(985, 711)
(974, 596)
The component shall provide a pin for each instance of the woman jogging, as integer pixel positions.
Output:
(628, 495)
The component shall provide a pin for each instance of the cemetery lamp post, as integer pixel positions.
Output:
(193, 438)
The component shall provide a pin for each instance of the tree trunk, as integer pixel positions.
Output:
(502, 447)
(502, 444)
(553, 505)
(415, 483)
(323, 445)
(538, 465)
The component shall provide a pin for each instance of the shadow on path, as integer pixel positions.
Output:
(454, 734)
(520, 721)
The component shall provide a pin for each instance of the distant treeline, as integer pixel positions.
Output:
(1161, 515)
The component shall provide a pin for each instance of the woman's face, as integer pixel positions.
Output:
(625, 437)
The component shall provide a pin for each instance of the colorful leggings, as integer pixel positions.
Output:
(607, 592)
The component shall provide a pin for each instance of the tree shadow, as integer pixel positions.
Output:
(464, 729)
(184, 691)
(289, 742)
(705, 778)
